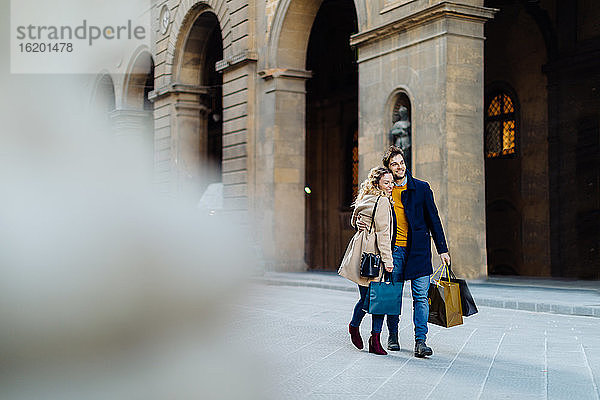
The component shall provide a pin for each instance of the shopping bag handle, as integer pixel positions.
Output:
(451, 272)
(390, 275)
(445, 270)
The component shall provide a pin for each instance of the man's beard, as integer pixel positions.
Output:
(397, 177)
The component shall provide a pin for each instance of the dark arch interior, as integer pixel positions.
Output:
(331, 133)
(214, 81)
(204, 47)
(148, 87)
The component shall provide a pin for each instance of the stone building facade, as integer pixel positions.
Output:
(289, 103)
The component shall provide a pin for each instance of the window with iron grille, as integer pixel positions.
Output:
(500, 127)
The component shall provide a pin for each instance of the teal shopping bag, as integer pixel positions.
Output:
(384, 297)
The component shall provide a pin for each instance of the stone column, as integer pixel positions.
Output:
(280, 168)
(435, 55)
(134, 136)
(188, 138)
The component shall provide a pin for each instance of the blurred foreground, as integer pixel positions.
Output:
(108, 289)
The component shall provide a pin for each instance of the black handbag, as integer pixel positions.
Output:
(370, 263)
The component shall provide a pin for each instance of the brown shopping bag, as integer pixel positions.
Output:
(466, 299)
(444, 303)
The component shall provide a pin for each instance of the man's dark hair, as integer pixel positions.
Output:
(392, 152)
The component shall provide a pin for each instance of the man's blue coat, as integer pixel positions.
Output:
(423, 223)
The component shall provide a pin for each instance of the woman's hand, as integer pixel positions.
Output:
(361, 225)
(389, 269)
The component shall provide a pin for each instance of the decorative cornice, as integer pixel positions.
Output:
(130, 118)
(194, 108)
(236, 61)
(176, 88)
(441, 10)
(284, 73)
(129, 112)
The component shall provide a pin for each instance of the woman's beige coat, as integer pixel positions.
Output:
(363, 241)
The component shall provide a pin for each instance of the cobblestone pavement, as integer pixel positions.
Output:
(300, 333)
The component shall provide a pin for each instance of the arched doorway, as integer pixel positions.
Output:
(213, 81)
(140, 82)
(198, 103)
(331, 133)
(103, 101)
(516, 142)
(135, 121)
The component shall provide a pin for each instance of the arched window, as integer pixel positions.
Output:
(500, 126)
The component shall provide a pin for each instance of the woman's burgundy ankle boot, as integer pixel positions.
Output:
(375, 345)
(355, 336)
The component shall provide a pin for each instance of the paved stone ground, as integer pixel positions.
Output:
(300, 333)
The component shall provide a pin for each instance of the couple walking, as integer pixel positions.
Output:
(405, 217)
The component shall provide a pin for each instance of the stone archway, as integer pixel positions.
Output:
(134, 121)
(194, 103)
(103, 101)
(517, 183)
(331, 134)
(187, 14)
(282, 166)
(202, 49)
(139, 81)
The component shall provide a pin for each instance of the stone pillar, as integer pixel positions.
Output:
(189, 148)
(134, 136)
(239, 81)
(435, 55)
(280, 168)
(188, 138)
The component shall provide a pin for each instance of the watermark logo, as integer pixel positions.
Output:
(84, 37)
(91, 33)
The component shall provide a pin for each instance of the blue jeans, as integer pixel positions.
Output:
(419, 288)
(359, 313)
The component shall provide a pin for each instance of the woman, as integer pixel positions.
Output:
(376, 189)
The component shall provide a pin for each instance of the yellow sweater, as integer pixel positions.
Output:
(401, 221)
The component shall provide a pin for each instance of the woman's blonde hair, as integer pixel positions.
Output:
(371, 184)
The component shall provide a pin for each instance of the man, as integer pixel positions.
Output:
(416, 218)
